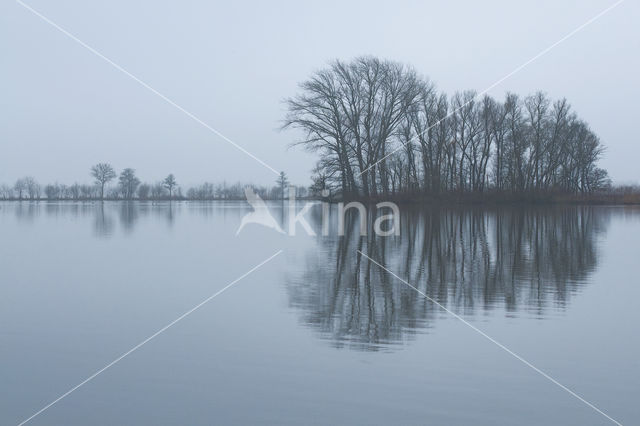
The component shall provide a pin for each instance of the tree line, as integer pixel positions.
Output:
(380, 128)
(129, 187)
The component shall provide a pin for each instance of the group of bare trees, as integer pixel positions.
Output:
(26, 187)
(235, 191)
(382, 129)
(129, 187)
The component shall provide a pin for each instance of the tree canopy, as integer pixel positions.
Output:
(381, 128)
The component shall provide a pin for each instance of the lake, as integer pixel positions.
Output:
(320, 334)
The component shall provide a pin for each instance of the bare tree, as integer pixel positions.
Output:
(102, 173)
(158, 191)
(350, 112)
(143, 191)
(6, 192)
(20, 187)
(53, 192)
(32, 187)
(170, 182)
(74, 191)
(128, 183)
(465, 126)
(282, 182)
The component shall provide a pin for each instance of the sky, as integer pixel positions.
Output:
(231, 65)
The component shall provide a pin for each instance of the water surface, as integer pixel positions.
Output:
(319, 335)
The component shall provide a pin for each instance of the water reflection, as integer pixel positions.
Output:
(523, 261)
(105, 215)
(103, 222)
(26, 212)
(129, 213)
(513, 261)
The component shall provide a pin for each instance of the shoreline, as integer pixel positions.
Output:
(443, 200)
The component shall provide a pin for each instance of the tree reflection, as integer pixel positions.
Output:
(470, 260)
(129, 213)
(103, 222)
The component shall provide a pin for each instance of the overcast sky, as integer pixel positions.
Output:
(231, 64)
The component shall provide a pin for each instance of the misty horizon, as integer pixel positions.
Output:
(89, 112)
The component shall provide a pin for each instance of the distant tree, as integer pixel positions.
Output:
(170, 182)
(319, 184)
(600, 180)
(128, 183)
(157, 191)
(20, 187)
(52, 192)
(282, 182)
(143, 191)
(74, 191)
(33, 188)
(301, 191)
(102, 173)
(114, 193)
(63, 191)
(206, 191)
(5, 192)
(87, 191)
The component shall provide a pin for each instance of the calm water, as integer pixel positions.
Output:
(319, 335)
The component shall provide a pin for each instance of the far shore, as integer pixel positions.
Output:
(614, 197)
